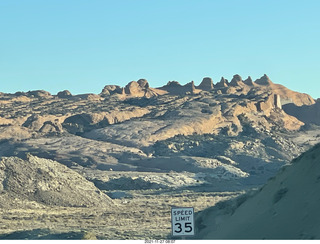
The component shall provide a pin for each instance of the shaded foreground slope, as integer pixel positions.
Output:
(287, 207)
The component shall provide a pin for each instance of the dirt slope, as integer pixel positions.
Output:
(287, 207)
(46, 182)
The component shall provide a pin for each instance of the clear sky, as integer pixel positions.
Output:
(84, 45)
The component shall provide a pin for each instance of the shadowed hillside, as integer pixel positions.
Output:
(287, 207)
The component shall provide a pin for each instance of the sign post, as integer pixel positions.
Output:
(182, 221)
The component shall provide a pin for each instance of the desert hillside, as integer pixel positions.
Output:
(73, 164)
(287, 207)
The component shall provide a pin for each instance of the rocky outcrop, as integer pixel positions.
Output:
(39, 94)
(80, 123)
(134, 89)
(190, 88)
(248, 81)
(222, 83)
(64, 94)
(206, 84)
(138, 88)
(236, 81)
(277, 101)
(110, 90)
(88, 96)
(34, 94)
(143, 83)
(270, 102)
(263, 81)
(48, 123)
(47, 182)
(286, 95)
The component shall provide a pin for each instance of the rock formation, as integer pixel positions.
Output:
(248, 81)
(39, 94)
(110, 90)
(222, 83)
(264, 81)
(236, 81)
(134, 89)
(143, 83)
(64, 94)
(206, 84)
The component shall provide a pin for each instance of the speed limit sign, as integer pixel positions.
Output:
(182, 221)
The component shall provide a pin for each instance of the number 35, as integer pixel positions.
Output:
(187, 226)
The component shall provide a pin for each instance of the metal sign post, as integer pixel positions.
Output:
(182, 221)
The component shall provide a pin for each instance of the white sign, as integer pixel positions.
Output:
(182, 221)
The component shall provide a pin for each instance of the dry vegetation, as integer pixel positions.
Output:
(140, 217)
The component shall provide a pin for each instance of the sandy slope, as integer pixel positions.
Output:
(287, 207)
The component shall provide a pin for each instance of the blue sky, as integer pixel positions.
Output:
(84, 45)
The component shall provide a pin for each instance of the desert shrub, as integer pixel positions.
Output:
(89, 236)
